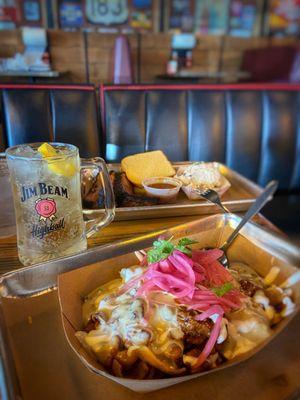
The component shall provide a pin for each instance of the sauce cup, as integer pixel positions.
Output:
(166, 189)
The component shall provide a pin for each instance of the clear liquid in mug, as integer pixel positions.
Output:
(47, 202)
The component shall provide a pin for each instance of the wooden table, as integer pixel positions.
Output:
(115, 231)
(271, 374)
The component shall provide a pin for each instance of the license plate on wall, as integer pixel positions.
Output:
(107, 12)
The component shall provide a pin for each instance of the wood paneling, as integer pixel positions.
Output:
(155, 52)
(205, 42)
(240, 44)
(100, 51)
(288, 41)
(68, 54)
(71, 53)
(156, 48)
(233, 51)
(66, 49)
(207, 53)
(10, 43)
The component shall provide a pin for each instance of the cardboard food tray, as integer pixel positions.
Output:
(74, 286)
(38, 363)
(239, 197)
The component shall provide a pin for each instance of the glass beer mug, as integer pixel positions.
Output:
(47, 198)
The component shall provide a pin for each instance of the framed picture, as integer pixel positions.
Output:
(242, 17)
(284, 17)
(31, 11)
(141, 14)
(211, 17)
(9, 14)
(107, 12)
(71, 14)
(179, 15)
(109, 15)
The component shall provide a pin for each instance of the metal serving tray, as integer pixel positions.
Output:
(38, 363)
(239, 197)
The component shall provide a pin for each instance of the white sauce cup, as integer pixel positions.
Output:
(164, 194)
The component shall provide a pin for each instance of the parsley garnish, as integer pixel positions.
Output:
(221, 290)
(162, 249)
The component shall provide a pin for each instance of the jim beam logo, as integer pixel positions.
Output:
(42, 189)
(45, 207)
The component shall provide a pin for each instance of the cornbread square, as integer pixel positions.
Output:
(146, 165)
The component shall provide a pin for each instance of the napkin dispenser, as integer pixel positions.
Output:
(35, 53)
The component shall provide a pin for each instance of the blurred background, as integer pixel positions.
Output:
(144, 41)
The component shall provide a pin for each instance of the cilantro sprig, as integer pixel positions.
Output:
(221, 290)
(162, 249)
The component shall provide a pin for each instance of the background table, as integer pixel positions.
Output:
(31, 76)
(271, 374)
(194, 76)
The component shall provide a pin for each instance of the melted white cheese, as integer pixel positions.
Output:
(125, 319)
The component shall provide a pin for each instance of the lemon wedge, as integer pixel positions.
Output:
(47, 150)
(63, 167)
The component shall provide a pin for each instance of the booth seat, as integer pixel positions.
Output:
(252, 128)
(61, 113)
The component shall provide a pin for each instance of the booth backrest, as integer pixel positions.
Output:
(254, 129)
(61, 113)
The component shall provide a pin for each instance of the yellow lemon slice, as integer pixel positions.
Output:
(47, 150)
(61, 167)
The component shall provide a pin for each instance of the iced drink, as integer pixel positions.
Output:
(46, 188)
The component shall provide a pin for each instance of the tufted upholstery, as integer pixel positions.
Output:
(34, 113)
(254, 129)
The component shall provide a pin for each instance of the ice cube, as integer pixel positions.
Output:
(27, 151)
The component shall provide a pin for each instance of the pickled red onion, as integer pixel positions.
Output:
(210, 343)
(211, 311)
(129, 285)
(191, 280)
(184, 278)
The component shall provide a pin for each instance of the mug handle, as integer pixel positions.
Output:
(94, 225)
